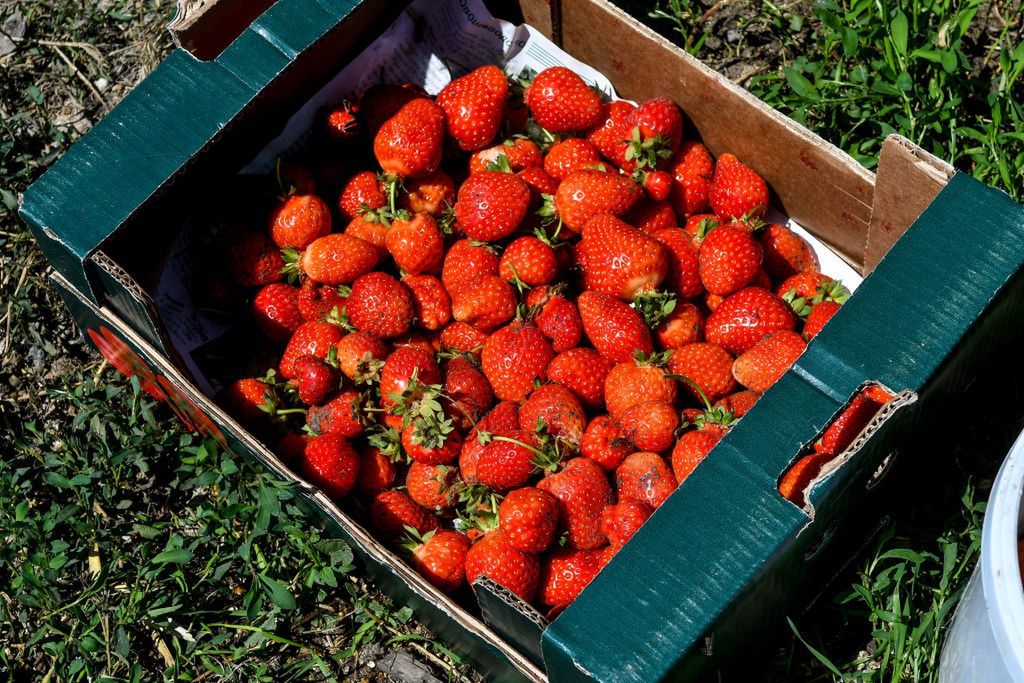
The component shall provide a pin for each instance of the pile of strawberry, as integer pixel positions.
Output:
(517, 320)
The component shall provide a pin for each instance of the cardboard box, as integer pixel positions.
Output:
(724, 556)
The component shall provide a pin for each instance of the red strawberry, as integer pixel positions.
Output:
(684, 325)
(331, 464)
(650, 425)
(311, 338)
(583, 493)
(254, 259)
(502, 420)
(292, 447)
(528, 260)
(562, 102)
(492, 557)
(315, 379)
(433, 194)
(424, 341)
(430, 300)
(745, 317)
(440, 557)
(276, 309)
(410, 143)
(583, 371)
(604, 443)
(621, 260)
(645, 477)
(465, 260)
(739, 403)
(766, 361)
(298, 220)
(491, 205)
(487, 302)
(468, 393)
(380, 102)
(528, 518)
(709, 366)
(416, 244)
(786, 253)
(699, 225)
(655, 135)
(798, 477)
(430, 485)
(519, 153)
(557, 410)
(557, 317)
(819, 315)
(248, 399)
(736, 190)
(571, 154)
(342, 125)
(316, 301)
(513, 358)
(380, 305)
(729, 259)
(463, 338)
(641, 378)
(371, 229)
(376, 471)
(845, 428)
(691, 449)
(802, 285)
(614, 130)
(615, 329)
(620, 521)
(430, 444)
(684, 269)
(506, 462)
(295, 179)
(539, 183)
(650, 217)
(656, 184)
(692, 171)
(363, 191)
(398, 371)
(474, 105)
(357, 354)
(392, 511)
(586, 193)
(565, 573)
(336, 259)
(342, 415)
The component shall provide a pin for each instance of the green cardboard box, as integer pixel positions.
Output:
(721, 560)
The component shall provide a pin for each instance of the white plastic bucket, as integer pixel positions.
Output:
(986, 643)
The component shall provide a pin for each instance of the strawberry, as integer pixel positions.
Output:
(465, 260)
(528, 260)
(612, 134)
(311, 338)
(474, 105)
(729, 258)
(424, 341)
(798, 478)
(292, 447)
(766, 361)
(468, 393)
(736, 190)
(315, 379)
(621, 260)
(604, 443)
(371, 229)
(620, 521)
(656, 133)
(440, 556)
(294, 179)
(586, 193)
(416, 244)
(739, 403)
(615, 329)
(487, 302)
(492, 557)
(432, 194)
(557, 317)
(684, 325)
(571, 154)
(491, 205)
(540, 183)
(819, 315)
(528, 518)
(684, 266)
(641, 378)
(564, 574)
(699, 225)
(709, 366)
(276, 310)
(650, 425)
(430, 485)
(331, 464)
(343, 415)
(502, 420)
(583, 493)
(298, 220)
(556, 410)
(316, 301)
(513, 358)
(335, 259)
(845, 428)
(342, 124)
(786, 253)
(254, 259)
(380, 305)
(745, 317)
(519, 153)
(692, 171)
(431, 442)
(506, 462)
(561, 102)
(656, 184)
(361, 192)
(380, 102)
(392, 511)
(582, 371)
(399, 369)
(645, 477)
(650, 217)
(360, 355)
(410, 143)
(691, 448)
(376, 471)
(430, 300)
(802, 286)
(463, 338)
(249, 399)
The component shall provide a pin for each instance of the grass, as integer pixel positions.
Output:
(133, 551)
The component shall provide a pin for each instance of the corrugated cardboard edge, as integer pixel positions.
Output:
(206, 27)
(368, 543)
